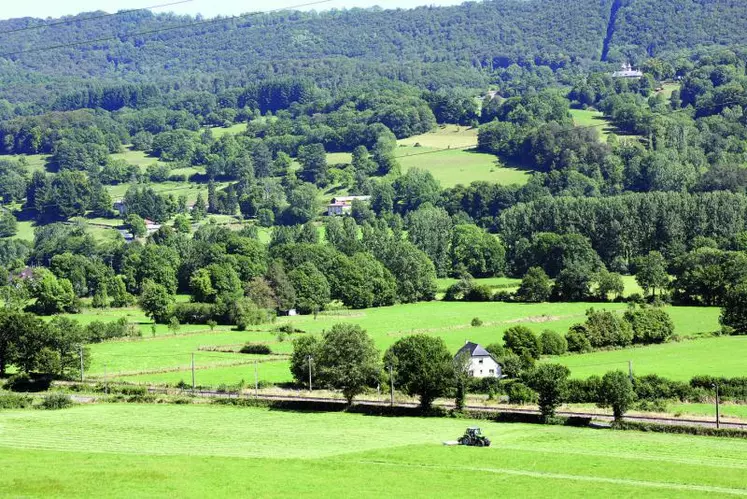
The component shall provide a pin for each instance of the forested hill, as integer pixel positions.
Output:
(426, 46)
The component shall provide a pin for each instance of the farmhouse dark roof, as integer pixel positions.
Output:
(474, 350)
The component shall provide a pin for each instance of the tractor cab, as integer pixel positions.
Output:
(473, 436)
(474, 432)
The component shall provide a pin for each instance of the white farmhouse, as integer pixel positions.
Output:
(481, 363)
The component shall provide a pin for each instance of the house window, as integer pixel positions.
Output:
(492, 371)
(479, 361)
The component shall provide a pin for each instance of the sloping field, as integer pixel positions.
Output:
(448, 153)
(681, 361)
(166, 358)
(208, 451)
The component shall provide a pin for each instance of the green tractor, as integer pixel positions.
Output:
(474, 437)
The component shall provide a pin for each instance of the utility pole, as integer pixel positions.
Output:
(81, 365)
(630, 370)
(391, 387)
(256, 378)
(718, 416)
(310, 358)
(193, 372)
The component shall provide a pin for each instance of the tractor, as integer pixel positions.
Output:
(474, 437)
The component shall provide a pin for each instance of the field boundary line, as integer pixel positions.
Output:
(564, 476)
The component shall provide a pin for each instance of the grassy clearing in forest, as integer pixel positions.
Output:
(592, 118)
(443, 153)
(118, 450)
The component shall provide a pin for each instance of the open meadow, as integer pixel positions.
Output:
(448, 153)
(166, 357)
(117, 450)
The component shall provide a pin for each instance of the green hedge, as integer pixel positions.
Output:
(681, 429)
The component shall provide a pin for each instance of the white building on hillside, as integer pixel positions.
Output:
(342, 205)
(481, 363)
(627, 71)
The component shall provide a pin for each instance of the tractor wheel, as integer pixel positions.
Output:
(487, 442)
(464, 441)
(480, 443)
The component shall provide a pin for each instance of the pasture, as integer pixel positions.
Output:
(166, 357)
(724, 356)
(592, 118)
(448, 153)
(119, 450)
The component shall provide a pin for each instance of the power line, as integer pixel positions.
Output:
(161, 30)
(92, 18)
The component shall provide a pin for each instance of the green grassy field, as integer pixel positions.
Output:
(166, 358)
(207, 451)
(507, 283)
(237, 128)
(667, 89)
(429, 151)
(592, 118)
(681, 361)
(35, 162)
(727, 410)
(138, 158)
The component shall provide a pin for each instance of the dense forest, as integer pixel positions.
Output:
(659, 193)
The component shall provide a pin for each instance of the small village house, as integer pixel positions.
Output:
(481, 362)
(343, 205)
(120, 207)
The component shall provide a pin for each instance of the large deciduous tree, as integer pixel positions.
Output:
(347, 360)
(423, 367)
(550, 381)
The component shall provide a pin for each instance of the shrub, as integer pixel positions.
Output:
(24, 383)
(56, 401)
(650, 325)
(503, 296)
(496, 350)
(680, 429)
(522, 341)
(606, 328)
(535, 286)
(479, 293)
(552, 343)
(14, 401)
(512, 365)
(256, 348)
(584, 391)
(194, 313)
(288, 328)
(458, 291)
(98, 331)
(735, 388)
(520, 394)
(617, 392)
(653, 387)
(476, 322)
(577, 339)
(550, 381)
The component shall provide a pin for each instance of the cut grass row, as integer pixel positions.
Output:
(196, 451)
